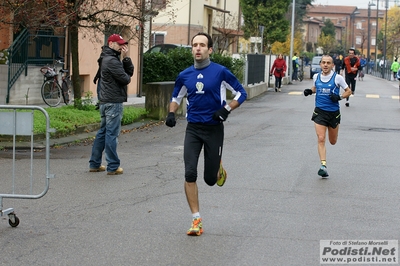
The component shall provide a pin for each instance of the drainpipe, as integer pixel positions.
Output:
(190, 13)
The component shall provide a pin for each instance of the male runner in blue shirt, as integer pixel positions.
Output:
(205, 85)
(326, 114)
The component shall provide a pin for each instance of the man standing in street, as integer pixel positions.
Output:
(326, 115)
(205, 84)
(295, 64)
(351, 65)
(115, 76)
(395, 67)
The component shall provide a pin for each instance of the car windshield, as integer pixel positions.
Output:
(316, 60)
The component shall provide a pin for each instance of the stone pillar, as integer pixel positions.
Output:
(158, 97)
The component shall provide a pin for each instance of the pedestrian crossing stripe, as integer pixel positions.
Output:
(373, 96)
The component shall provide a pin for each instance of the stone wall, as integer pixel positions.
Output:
(158, 96)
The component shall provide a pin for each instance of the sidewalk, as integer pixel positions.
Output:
(41, 144)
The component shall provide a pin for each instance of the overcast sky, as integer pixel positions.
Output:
(358, 3)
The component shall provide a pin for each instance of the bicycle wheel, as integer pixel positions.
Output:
(65, 92)
(51, 93)
(301, 74)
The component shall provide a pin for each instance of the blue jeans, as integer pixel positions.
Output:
(107, 136)
(294, 76)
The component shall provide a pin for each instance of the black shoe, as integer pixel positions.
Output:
(276, 89)
(347, 104)
(323, 172)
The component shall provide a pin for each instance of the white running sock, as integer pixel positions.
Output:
(196, 215)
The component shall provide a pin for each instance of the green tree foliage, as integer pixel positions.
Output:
(380, 42)
(300, 12)
(284, 47)
(166, 67)
(393, 32)
(328, 43)
(329, 28)
(270, 14)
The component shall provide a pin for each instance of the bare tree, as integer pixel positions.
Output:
(83, 16)
(227, 31)
(364, 37)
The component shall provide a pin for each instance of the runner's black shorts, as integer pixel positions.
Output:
(326, 118)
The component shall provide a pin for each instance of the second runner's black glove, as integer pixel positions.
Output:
(307, 92)
(334, 97)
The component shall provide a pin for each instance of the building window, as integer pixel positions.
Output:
(373, 41)
(157, 38)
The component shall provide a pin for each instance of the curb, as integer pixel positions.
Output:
(75, 138)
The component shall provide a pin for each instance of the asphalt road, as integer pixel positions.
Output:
(273, 209)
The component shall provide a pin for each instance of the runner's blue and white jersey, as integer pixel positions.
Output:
(206, 91)
(326, 85)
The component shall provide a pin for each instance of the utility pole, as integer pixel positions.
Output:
(291, 44)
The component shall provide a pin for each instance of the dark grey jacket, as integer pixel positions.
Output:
(115, 76)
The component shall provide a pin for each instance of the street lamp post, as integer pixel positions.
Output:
(384, 44)
(369, 35)
(291, 44)
(376, 34)
(261, 28)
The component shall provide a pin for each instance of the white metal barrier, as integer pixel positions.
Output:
(18, 120)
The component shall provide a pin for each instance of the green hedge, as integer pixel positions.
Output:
(166, 67)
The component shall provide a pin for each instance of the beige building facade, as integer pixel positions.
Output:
(219, 18)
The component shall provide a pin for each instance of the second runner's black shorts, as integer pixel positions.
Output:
(326, 118)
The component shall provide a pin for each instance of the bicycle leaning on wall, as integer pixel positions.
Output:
(300, 74)
(51, 89)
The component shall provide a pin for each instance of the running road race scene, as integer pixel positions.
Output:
(227, 146)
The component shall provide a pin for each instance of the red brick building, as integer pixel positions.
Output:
(352, 21)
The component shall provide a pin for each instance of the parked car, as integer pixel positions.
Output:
(315, 67)
(165, 48)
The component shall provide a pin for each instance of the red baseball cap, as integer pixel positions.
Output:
(117, 38)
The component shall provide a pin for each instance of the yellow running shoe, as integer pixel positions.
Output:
(196, 229)
(222, 175)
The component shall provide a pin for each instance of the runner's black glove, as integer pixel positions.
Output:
(307, 92)
(334, 97)
(221, 114)
(170, 121)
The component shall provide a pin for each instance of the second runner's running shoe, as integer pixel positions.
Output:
(323, 172)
